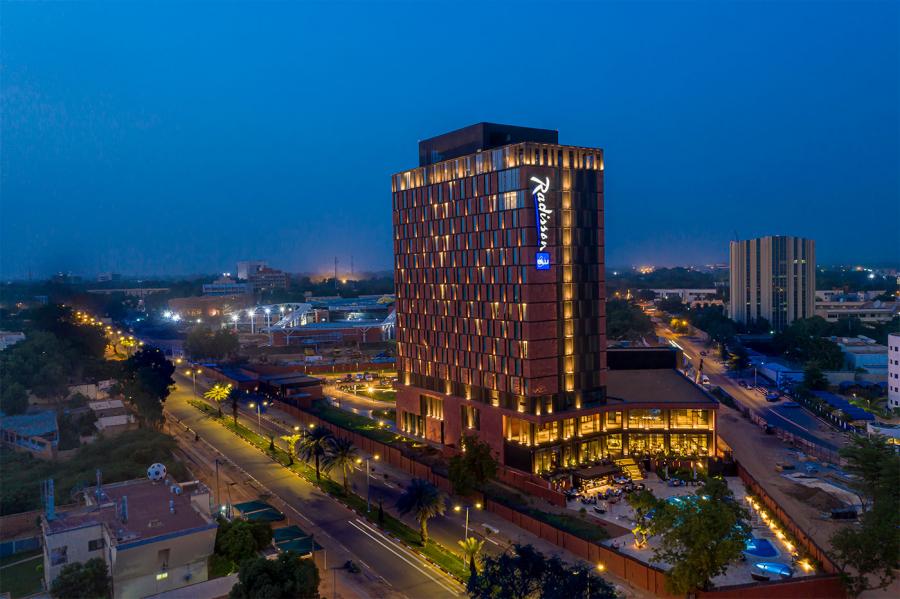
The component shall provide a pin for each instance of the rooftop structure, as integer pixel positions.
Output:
(866, 311)
(36, 433)
(153, 535)
(893, 371)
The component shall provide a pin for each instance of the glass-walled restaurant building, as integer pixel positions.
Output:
(499, 271)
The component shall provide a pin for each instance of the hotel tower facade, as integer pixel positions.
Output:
(498, 247)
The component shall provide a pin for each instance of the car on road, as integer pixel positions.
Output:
(704, 380)
(773, 396)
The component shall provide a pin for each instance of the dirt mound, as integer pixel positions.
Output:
(813, 497)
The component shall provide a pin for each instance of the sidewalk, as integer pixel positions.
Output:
(387, 483)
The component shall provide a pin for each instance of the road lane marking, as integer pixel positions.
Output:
(363, 529)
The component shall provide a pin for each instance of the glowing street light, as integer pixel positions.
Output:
(375, 457)
(458, 508)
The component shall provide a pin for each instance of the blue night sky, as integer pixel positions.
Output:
(178, 138)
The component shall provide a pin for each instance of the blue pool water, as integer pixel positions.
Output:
(771, 569)
(760, 548)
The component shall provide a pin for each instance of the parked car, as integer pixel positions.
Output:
(704, 380)
(773, 396)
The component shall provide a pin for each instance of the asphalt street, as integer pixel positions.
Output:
(399, 570)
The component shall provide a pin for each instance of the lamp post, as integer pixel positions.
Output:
(234, 319)
(458, 508)
(375, 457)
(252, 327)
(194, 374)
(268, 312)
(258, 405)
(218, 491)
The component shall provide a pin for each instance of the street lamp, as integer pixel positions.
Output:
(458, 508)
(375, 457)
(259, 406)
(268, 312)
(194, 374)
(252, 328)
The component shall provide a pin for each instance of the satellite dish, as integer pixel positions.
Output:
(156, 472)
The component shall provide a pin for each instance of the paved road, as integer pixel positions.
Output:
(797, 420)
(401, 571)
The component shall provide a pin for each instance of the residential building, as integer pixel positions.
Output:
(108, 277)
(874, 312)
(226, 286)
(266, 278)
(837, 295)
(863, 352)
(500, 313)
(36, 433)
(772, 278)
(154, 536)
(894, 370)
(10, 338)
(245, 268)
(113, 417)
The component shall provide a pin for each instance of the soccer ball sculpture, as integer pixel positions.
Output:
(156, 472)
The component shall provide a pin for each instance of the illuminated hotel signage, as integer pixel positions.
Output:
(541, 221)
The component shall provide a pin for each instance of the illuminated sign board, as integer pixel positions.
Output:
(541, 221)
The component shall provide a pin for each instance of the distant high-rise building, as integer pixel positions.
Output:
(245, 268)
(773, 278)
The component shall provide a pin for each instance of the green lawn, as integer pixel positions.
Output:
(21, 580)
(361, 424)
(387, 395)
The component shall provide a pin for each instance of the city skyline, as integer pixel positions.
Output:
(163, 154)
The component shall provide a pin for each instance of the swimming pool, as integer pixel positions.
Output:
(769, 570)
(760, 548)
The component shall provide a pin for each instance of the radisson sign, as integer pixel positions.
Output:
(541, 221)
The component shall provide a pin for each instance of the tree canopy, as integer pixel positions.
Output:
(239, 540)
(699, 536)
(473, 467)
(203, 342)
(424, 501)
(88, 580)
(626, 321)
(522, 572)
(287, 577)
(869, 555)
(146, 381)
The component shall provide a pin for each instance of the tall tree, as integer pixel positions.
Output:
(813, 378)
(700, 536)
(424, 501)
(146, 381)
(88, 580)
(869, 556)
(473, 467)
(342, 454)
(13, 398)
(471, 548)
(287, 577)
(241, 539)
(644, 503)
(315, 445)
(739, 359)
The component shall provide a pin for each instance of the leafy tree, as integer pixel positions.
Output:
(472, 468)
(342, 454)
(700, 536)
(146, 380)
(241, 539)
(868, 556)
(644, 503)
(813, 378)
(233, 397)
(625, 320)
(202, 342)
(671, 305)
(522, 572)
(218, 393)
(424, 501)
(315, 445)
(287, 577)
(88, 580)
(13, 399)
(292, 441)
(739, 359)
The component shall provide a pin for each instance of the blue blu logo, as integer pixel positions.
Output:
(542, 260)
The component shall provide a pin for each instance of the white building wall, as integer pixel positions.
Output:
(894, 370)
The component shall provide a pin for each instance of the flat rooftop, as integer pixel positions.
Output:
(655, 386)
(477, 138)
(148, 511)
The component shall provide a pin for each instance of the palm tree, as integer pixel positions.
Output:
(218, 393)
(472, 553)
(233, 396)
(424, 501)
(342, 454)
(315, 445)
(292, 441)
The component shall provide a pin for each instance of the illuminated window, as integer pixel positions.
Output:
(643, 419)
(690, 418)
(568, 428)
(546, 433)
(589, 424)
(614, 421)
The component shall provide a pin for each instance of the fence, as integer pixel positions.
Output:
(803, 539)
(626, 567)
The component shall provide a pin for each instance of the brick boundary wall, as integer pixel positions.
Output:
(626, 567)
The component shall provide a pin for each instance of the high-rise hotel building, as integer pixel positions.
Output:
(772, 278)
(498, 248)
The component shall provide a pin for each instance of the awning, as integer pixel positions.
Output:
(597, 471)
